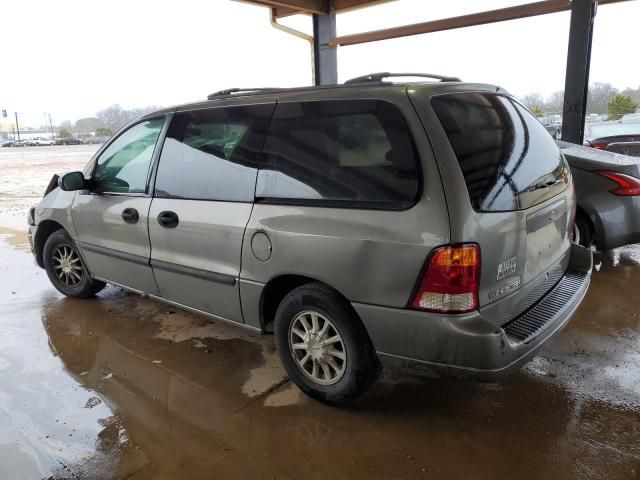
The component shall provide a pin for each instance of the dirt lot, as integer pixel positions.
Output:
(124, 387)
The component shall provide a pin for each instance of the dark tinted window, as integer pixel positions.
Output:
(213, 154)
(508, 159)
(356, 151)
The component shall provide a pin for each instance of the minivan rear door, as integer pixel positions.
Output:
(203, 197)
(507, 187)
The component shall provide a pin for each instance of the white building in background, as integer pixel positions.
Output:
(8, 130)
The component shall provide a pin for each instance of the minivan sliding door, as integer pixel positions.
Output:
(204, 193)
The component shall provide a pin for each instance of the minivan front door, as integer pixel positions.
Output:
(111, 218)
(203, 198)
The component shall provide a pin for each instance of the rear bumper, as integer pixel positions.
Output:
(468, 345)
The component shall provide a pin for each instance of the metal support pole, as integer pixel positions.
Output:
(576, 86)
(325, 57)
(17, 126)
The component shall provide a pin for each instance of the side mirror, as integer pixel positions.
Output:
(72, 181)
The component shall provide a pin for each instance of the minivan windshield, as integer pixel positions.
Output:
(508, 159)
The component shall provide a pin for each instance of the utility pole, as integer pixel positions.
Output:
(17, 126)
(50, 124)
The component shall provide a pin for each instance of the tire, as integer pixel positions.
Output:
(582, 232)
(65, 267)
(351, 361)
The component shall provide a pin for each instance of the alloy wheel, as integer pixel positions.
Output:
(67, 265)
(317, 347)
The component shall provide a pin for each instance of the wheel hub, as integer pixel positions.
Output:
(66, 265)
(314, 347)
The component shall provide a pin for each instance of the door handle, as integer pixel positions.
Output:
(130, 215)
(168, 219)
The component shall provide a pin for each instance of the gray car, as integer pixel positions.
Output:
(617, 137)
(608, 190)
(551, 126)
(424, 226)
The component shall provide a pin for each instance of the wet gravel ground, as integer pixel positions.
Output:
(124, 387)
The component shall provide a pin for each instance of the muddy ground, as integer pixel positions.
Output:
(124, 387)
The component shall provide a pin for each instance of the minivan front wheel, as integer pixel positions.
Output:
(324, 346)
(65, 267)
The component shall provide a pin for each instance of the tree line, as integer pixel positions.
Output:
(105, 122)
(602, 99)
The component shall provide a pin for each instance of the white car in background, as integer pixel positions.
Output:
(39, 141)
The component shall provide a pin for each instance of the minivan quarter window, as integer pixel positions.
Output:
(125, 164)
(212, 154)
(340, 152)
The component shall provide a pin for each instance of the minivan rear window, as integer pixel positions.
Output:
(508, 159)
(351, 153)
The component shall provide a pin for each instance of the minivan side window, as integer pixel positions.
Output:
(124, 166)
(339, 153)
(212, 154)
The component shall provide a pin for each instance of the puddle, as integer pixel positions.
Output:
(118, 387)
(184, 327)
(16, 238)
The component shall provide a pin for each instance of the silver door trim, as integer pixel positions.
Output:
(161, 265)
(129, 257)
(251, 282)
(194, 272)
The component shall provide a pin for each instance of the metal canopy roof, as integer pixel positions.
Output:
(283, 8)
(324, 41)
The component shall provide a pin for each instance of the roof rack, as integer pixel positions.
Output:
(378, 77)
(231, 91)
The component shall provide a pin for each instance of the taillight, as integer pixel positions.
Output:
(627, 185)
(600, 145)
(450, 281)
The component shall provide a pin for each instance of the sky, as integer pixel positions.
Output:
(73, 58)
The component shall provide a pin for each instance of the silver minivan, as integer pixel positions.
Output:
(423, 226)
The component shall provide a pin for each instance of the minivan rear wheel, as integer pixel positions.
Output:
(65, 267)
(323, 345)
